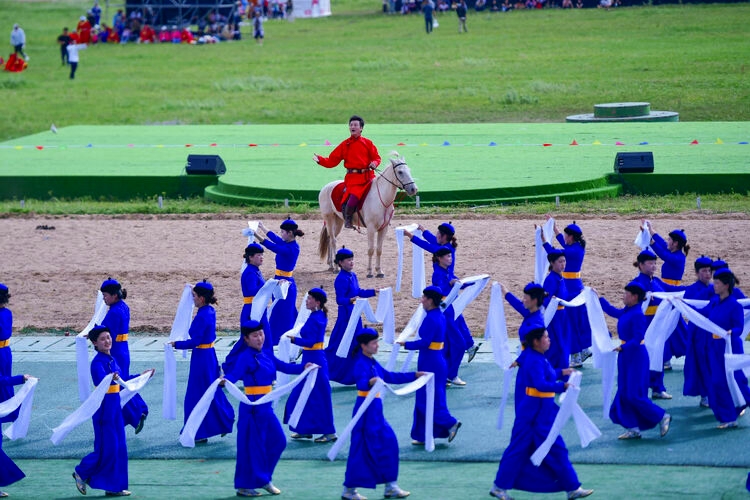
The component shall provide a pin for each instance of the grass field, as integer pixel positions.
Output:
(517, 67)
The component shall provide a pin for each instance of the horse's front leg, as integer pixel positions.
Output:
(370, 249)
(379, 252)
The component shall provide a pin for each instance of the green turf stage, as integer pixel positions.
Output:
(452, 163)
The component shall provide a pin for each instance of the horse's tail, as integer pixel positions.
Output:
(323, 243)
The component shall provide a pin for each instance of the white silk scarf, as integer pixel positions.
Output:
(427, 381)
(180, 328)
(23, 398)
(195, 419)
(82, 344)
(384, 314)
(418, 275)
(587, 430)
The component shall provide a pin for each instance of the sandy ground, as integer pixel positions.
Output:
(54, 274)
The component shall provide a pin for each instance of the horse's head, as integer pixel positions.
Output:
(402, 174)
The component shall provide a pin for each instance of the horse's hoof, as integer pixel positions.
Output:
(380, 275)
(369, 275)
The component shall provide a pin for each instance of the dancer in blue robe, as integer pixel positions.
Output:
(6, 356)
(286, 248)
(446, 238)
(724, 310)
(347, 289)
(106, 468)
(373, 453)
(574, 246)
(9, 471)
(204, 367)
(631, 407)
(534, 418)
(134, 413)
(559, 332)
(430, 346)
(455, 328)
(695, 371)
(317, 418)
(260, 438)
(251, 282)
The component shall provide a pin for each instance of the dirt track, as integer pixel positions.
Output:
(54, 274)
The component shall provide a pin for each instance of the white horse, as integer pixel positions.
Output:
(376, 212)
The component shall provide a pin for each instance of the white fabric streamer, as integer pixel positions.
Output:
(427, 380)
(410, 329)
(84, 412)
(643, 238)
(467, 294)
(132, 386)
(400, 245)
(24, 398)
(195, 419)
(735, 362)
(249, 231)
(383, 315)
(180, 331)
(541, 264)
(704, 323)
(82, 352)
(169, 392)
(587, 430)
(496, 331)
(661, 327)
(288, 352)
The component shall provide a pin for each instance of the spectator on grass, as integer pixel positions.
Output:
(443, 6)
(105, 34)
(428, 7)
(164, 35)
(73, 58)
(96, 11)
(148, 35)
(118, 20)
(494, 7)
(186, 36)
(605, 4)
(567, 4)
(506, 6)
(258, 32)
(63, 40)
(461, 9)
(480, 5)
(579, 4)
(18, 40)
(176, 35)
(84, 30)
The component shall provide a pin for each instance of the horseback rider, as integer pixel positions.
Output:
(360, 158)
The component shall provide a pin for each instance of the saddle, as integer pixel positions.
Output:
(340, 195)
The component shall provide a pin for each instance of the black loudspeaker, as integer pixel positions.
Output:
(634, 163)
(205, 165)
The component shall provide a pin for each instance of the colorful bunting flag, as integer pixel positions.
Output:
(446, 143)
(695, 142)
(401, 144)
(574, 143)
(597, 143)
(719, 141)
(493, 143)
(39, 147)
(618, 143)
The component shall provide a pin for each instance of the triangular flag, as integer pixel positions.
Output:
(39, 147)
(253, 145)
(327, 143)
(742, 142)
(618, 143)
(596, 143)
(423, 144)
(695, 141)
(213, 144)
(303, 145)
(446, 143)
(188, 145)
(719, 141)
(546, 144)
(574, 143)
(401, 144)
(493, 143)
(642, 143)
(89, 145)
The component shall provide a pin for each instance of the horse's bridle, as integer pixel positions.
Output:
(395, 172)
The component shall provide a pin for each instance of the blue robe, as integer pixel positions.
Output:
(580, 329)
(728, 314)
(432, 331)
(456, 329)
(204, 370)
(631, 407)
(252, 281)
(106, 468)
(317, 418)
(284, 313)
(118, 322)
(9, 471)
(373, 453)
(695, 372)
(428, 242)
(672, 270)
(534, 418)
(559, 352)
(6, 361)
(260, 438)
(347, 288)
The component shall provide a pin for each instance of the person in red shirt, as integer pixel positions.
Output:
(84, 30)
(148, 35)
(360, 158)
